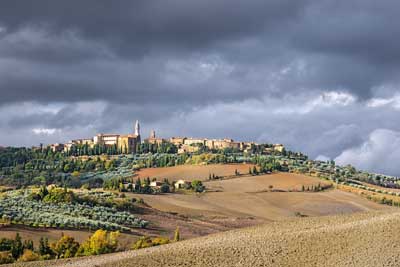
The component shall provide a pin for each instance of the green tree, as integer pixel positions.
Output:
(176, 235)
(197, 186)
(44, 248)
(17, 247)
(138, 186)
(164, 188)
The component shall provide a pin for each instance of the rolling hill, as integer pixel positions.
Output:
(358, 239)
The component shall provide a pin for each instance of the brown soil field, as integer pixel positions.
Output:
(250, 197)
(193, 172)
(360, 239)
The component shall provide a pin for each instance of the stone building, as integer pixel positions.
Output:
(126, 143)
(187, 149)
(222, 144)
(57, 147)
(178, 141)
(153, 139)
(194, 141)
(279, 147)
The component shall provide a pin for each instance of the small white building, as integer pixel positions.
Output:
(156, 184)
(181, 184)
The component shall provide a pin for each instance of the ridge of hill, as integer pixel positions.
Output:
(359, 239)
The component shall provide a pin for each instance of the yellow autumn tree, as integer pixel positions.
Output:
(65, 247)
(99, 243)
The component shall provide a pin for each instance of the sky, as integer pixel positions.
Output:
(321, 77)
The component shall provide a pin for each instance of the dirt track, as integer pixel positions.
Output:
(360, 239)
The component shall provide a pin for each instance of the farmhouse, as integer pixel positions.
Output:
(156, 184)
(181, 184)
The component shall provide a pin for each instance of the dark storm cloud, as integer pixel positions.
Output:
(346, 46)
(251, 69)
(143, 24)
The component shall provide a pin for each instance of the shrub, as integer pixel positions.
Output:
(164, 188)
(146, 241)
(6, 257)
(58, 195)
(6, 244)
(160, 241)
(197, 186)
(29, 255)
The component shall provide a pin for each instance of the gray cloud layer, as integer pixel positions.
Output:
(299, 72)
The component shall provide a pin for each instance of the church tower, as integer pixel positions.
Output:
(137, 128)
(153, 134)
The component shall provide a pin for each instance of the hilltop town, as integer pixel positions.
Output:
(128, 143)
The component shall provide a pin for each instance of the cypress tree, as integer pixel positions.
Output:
(176, 235)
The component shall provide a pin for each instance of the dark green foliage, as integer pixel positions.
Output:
(163, 148)
(146, 189)
(44, 247)
(17, 248)
(6, 244)
(197, 186)
(138, 185)
(165, 188)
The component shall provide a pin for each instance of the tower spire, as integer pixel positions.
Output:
(137, 128)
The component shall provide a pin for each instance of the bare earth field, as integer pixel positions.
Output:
(193, 172)
(360, 239)
(250, 197)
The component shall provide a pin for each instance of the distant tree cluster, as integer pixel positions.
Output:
(315, 188)
(100, 242)
(139, 186)
(163, 148)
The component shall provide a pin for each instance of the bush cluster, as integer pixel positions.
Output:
(100, 242)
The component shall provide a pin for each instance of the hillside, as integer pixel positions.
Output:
(359, 239)
(230, 202)
(251, 196)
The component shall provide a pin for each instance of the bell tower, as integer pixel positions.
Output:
(137, 128)
(153, 134)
